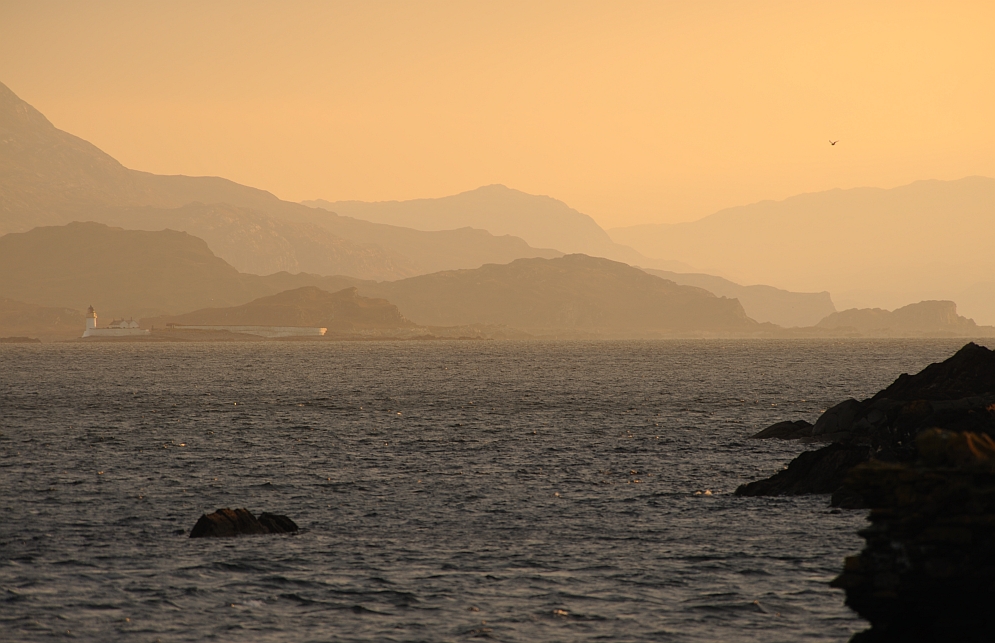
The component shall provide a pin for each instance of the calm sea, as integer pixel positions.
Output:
(447, 491)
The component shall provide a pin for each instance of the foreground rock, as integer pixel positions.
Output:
(786, 431)
(956, 394)
(226, 523)
(927, 571)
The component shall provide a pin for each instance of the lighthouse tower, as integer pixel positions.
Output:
(91, 318)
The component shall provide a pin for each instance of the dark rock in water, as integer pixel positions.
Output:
(785, 431)
(820, 471)
(225, 523)
(276, 523)
(956, 394)
(927, 572)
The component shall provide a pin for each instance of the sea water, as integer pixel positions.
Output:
(445, 490)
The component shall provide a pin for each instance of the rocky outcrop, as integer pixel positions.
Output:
(926, 573)
(820, 471)
(957, 394)
(226, 523)
(787, 430)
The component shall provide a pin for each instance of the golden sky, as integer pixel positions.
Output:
(634, 112)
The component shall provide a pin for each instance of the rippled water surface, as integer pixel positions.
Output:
(447, 491)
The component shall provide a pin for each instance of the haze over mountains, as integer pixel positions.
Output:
(859, 244)
(50, 274)
(542, 221)
(167, 273)
(855, 241)
(50, 177)
(762, 303)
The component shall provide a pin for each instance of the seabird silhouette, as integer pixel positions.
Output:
(832, 142)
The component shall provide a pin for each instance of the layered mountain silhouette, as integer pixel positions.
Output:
(542, 221)
(134, 273)
(762, 303)
(342, 311)
(50, 274)
(868, 246)
(50, 177)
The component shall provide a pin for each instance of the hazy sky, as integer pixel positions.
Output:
(631, 112)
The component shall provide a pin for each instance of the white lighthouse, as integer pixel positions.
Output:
(117, 328)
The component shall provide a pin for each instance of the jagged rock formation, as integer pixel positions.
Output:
(926, 573)
(227, 523)
(957, 394)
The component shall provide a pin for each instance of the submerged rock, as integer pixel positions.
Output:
(225, 523)
(927, 572)
(957, 394)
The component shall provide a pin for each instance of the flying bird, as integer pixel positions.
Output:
(832, 142)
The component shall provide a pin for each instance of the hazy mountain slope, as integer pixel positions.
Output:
(132, 273)
(344, 310)
(44, 171)
(762, 303)
(575, 294)
(440, 250)
(543, 222)
(20, 319)
(255, 242)
(927, 317)
(868, 246)
(120, 272)
(50, 177)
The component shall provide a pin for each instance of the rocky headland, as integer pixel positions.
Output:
(920, 455)
(957, 394)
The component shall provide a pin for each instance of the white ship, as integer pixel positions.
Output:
(117, 328)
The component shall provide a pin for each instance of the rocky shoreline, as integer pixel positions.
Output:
(920, 455)
(956, 394)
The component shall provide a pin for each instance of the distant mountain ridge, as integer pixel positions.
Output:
(542, 221)
(50, 274)
(133, 273)
(50, 177)
(574, 295)
(868, 246)
(762, 303)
